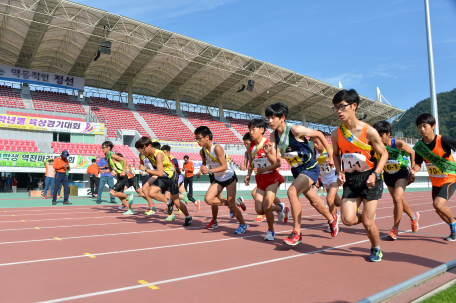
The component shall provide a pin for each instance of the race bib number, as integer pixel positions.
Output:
(262, 163)
(326, 169)
(293, 159)
(392, 166)
(354, 163)
(435, 172)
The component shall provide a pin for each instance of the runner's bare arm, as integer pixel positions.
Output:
(405, 147)
(374, 138)
(120, 159)
(159, 172)
(336, 155)
(301, 131)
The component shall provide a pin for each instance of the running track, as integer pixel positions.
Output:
(94, 254)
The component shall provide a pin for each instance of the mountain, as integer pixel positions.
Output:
(446, 105)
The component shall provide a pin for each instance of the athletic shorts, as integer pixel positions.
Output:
(390, 179)
(144, 179)
(264, 180)
(211, 178)
(227, 182)
(123, 182)
(445, 191)
(313, 173)
(320, 184)
(355, 186)
(168, 184)
(328, 180)
(181, 180)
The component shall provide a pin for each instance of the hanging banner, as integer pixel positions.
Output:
(21, 159)
(179, 144)
(50, 125)
(24, 75)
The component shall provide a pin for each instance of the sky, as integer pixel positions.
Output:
(362, 44)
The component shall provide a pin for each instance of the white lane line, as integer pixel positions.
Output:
(48, 214)
(211, 272)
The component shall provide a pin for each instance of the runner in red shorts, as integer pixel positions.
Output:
(264, 161)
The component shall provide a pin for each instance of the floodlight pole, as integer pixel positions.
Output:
(434, 111)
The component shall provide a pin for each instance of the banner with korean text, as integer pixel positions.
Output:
(20, 159)
(50, 125)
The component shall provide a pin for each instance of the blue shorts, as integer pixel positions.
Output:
(313, 173)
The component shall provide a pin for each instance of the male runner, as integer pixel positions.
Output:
(264, 162)
(224, 175)
(395, 175)
(167, 177)
(328, 176)
(355, 146)
(435, 151)
(147, 179)
(293, 146)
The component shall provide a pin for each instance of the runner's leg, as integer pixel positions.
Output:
(268, 204)
(369, 209)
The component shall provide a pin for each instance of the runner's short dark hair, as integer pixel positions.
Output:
(383, 127)
(247, 137)
(260, 123)
(278, 109)
(425, 118)
(108, 144)
(156, 145)
(166, 147)
(120, 155)
(350, 96)
(204, 131)
(324, 135)
(143, 142)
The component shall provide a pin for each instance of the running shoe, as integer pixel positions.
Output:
(393, 234)
(270, 236)
(188, 221)
(67, 203)
(287, 215)
(170, 218)
(240, 203)
(334, 225)
(170, 207)
(198, 205)
(122, 207)
(414, 223)
(130, 199)
(260, 218)
(180, 212)
(376, 255)
(129, 212)
(293, 239)
(281, 213)
(241, 229)
(54, 203)
(212, 225)
(231, 214)
(328, 230)
(151, 211)
(451, 237)
(45, 197)
(98, 201)
(185, 197)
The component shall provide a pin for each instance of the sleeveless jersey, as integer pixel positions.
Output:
(325, 170)
(211, 164)
(354, 158)
(168, 166)
(392, 166)
(260, 160)
(437, 176)
(297, 154)
(118, 167)
(147, 165)
(175, 163)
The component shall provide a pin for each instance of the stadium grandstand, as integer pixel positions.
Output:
(152, 83)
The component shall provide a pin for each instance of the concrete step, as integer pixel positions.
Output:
(186, 122)
(45, 147)
(141, 121)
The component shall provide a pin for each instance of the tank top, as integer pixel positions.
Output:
(298, 154)
(260, 160)
(211, 164)
(392, 166)
(354, 158)
(324, 169)
(118, 167)
(439, 177)
(147, 165)
(168, 166)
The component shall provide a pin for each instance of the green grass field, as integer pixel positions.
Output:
(445, 296)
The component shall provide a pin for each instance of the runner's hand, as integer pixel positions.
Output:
(258, 171)
(267, 147)
(122, 174)
(341, 178)
(113, 173)
(142, 168)
(330, 162)
(371, 180)
(243, 167)
(204, 170)
(247, 180)
(411, 177)
(198, 175)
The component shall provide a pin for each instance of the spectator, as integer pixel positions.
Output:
(92, 170)
(3, 185)
(105, 178)
(30, 183)
(40, 184)
(14, 185)
(8, 183)
(49, 180)
(61, 166)
(188, 168)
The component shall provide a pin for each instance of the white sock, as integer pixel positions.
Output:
(188, 217)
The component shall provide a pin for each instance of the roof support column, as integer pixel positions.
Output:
(303, 117)
(130, 90)
(177, 98)
(262, 110)
(221, 114)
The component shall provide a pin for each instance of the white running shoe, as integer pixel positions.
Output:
(281, 214)
(130, 199)
(270, 236)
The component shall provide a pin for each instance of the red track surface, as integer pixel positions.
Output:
(197, 265)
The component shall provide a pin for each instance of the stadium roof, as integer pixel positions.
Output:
(64, 37)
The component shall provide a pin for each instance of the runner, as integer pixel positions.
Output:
(293, 146)
(125, 176)
(435, 151)
(265, 162)
(396, 172)
(224, 175)
(328, 177)
(360, 175)
(147, 179)
(167, 177)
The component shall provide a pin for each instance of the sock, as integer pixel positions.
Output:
(331, 221)
(453, 227)
(395, 228)
(188, 217)
(414, 217)
(378, 247)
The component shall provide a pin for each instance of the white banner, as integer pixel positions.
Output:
(10, 73)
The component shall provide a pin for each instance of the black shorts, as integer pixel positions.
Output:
(124, 181)
(227, 182)
(390, 179)
(144, 179)
(445, 191)
(211, 178)
(320, 184)
(355, 186)
(168, 184)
